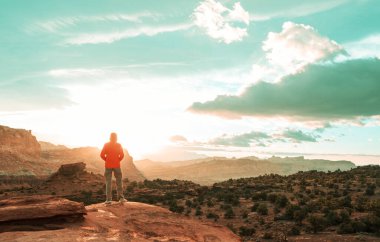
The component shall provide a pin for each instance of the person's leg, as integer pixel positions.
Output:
(108, 178)
(119, 183)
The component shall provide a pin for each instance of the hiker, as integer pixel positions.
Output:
(112, 153)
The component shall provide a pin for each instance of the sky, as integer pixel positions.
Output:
(190, 78)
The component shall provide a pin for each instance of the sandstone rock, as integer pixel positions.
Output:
(129, 222)
(71, 169)
(20, 142)
(38, 207)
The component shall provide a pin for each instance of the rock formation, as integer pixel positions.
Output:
(128, 221)
(24, 159)
(19, 142)
(90, 156)
(39, 210)
(72, 169)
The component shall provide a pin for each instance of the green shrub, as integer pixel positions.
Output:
(262, 209)
(244, 231)
(294, 231)
(229, 214)
(317, 223)
(268, 235)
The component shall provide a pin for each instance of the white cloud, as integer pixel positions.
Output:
(304, 8)
(110, 37)
(298, 45)
(217, 21)
(239, 14)
(56, 24)
(365, 48)
(78, 72)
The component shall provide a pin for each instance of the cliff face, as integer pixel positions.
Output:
(18, 142)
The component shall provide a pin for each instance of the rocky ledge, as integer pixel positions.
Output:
(129, 221)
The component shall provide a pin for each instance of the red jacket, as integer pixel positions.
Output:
(112, 154)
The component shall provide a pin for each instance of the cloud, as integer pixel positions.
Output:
(178, 139)
(296, 9)
(298, 45)
(242, 140)
(26, 94)
(365, 48)
(324, 127)
(218, 21)
(299, 136)
(76, 72)
(54, 25)
(257, 138)
(342, 90)
(110, 37)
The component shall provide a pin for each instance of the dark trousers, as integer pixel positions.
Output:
(119, 184)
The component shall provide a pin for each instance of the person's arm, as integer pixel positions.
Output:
(121, 153)
(103, 154)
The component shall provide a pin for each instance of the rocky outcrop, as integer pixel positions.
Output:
(128, 221)
(72, 169)
(17, 212)
(73, 181)
(91, 156)
(20, 157)
(19, 142)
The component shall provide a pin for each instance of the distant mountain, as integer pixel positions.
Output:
(24, 158)
(46, 146)
(173, 153)
(210, 170)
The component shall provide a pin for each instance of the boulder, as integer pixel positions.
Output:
(72, 169)
(38, 207)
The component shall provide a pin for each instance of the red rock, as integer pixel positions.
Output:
(130, 222)
(19, 142)
(38, 207)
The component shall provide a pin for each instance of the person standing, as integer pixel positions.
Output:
(112, 153)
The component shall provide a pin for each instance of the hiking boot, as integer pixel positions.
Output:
(122, 200)
(108, 202)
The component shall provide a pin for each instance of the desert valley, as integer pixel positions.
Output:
(276, 199)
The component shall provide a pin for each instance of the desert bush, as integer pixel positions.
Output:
(262, 209)
(229, 214)
(281, 201)
(345, 228)
(333, 218)
(244, 231)
(212, 215)
(294, 231)
(317, 223)
(198, 211)
(254, 207)
(370, 190)
(268, 235)
(290, 209)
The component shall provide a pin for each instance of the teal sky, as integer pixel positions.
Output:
(210, 77)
